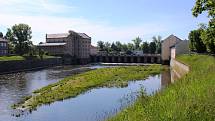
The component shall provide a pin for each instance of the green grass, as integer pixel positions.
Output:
(192, 98)
(75, 85)
(11, 58)
(14, 58)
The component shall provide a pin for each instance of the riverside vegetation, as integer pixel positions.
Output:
(75, 85)
(190, 98)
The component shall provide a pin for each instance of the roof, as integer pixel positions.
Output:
(60, 35)
(52, 44)
(3, 40)
(64, 35)
(83, 35)
(173, 37)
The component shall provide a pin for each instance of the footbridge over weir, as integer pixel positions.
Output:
(145, 58)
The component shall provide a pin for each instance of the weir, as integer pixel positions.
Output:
(146, 58)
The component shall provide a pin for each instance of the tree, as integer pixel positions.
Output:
(107, 47)
(137, 42)
(1, 35)
(145, 47)
(113, 47)
(20, 35)
(152, 47)
(100, 44)
(118, 46)
(41, 53)
(130, 47)
(196, 43)
(157, 41)
(124, 47)
(208, 35)
(204, 5)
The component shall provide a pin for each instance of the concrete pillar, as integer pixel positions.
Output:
(95, 59)
(138, 59)
(132, 59)
(125, 59)
(159, 60)
(119, 59)
(152, 59)
(145, 59)
(112, 57)
(101, 59)
(107, 59)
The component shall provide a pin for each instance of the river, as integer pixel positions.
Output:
(96, 104)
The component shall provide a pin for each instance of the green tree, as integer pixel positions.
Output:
(137, 42)
(208, 35)
(41, 53)
(124, 47)
(20, 35)
(204, 5)
(1, 35)
(157, 41)
(107, 47)
(113, 47)
(145, 47)
(118, 46)
(195, 42)
(152, 47)
(131, 47)
(100, 44)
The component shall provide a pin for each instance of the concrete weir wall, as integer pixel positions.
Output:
(179, 68)
(17, 66)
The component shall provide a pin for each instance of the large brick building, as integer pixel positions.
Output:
(76, 45)
(3, 47)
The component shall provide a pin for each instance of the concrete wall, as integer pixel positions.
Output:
(16, 66)
(178, 68)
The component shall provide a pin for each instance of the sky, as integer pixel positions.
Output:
(106, 20)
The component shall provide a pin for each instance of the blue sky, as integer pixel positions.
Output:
(107, 20)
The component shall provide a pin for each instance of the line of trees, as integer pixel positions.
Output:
(137, 44)
(202, 40)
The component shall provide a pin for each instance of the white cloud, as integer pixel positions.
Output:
(98, 31)
(38, 15)
(34, 7)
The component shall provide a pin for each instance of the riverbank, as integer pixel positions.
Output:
(19, 64)
(189, 98)
(75, 85)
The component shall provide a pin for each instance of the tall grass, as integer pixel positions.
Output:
(75, 85)
(192, 98)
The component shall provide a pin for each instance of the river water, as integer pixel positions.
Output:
(96, 104)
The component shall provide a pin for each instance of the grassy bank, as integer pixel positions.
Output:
(75, 85)
(14, 58)
(190, 98)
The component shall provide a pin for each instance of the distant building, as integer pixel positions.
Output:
(172, 46)
(3, 47)
(74, 44)
(94, 50)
